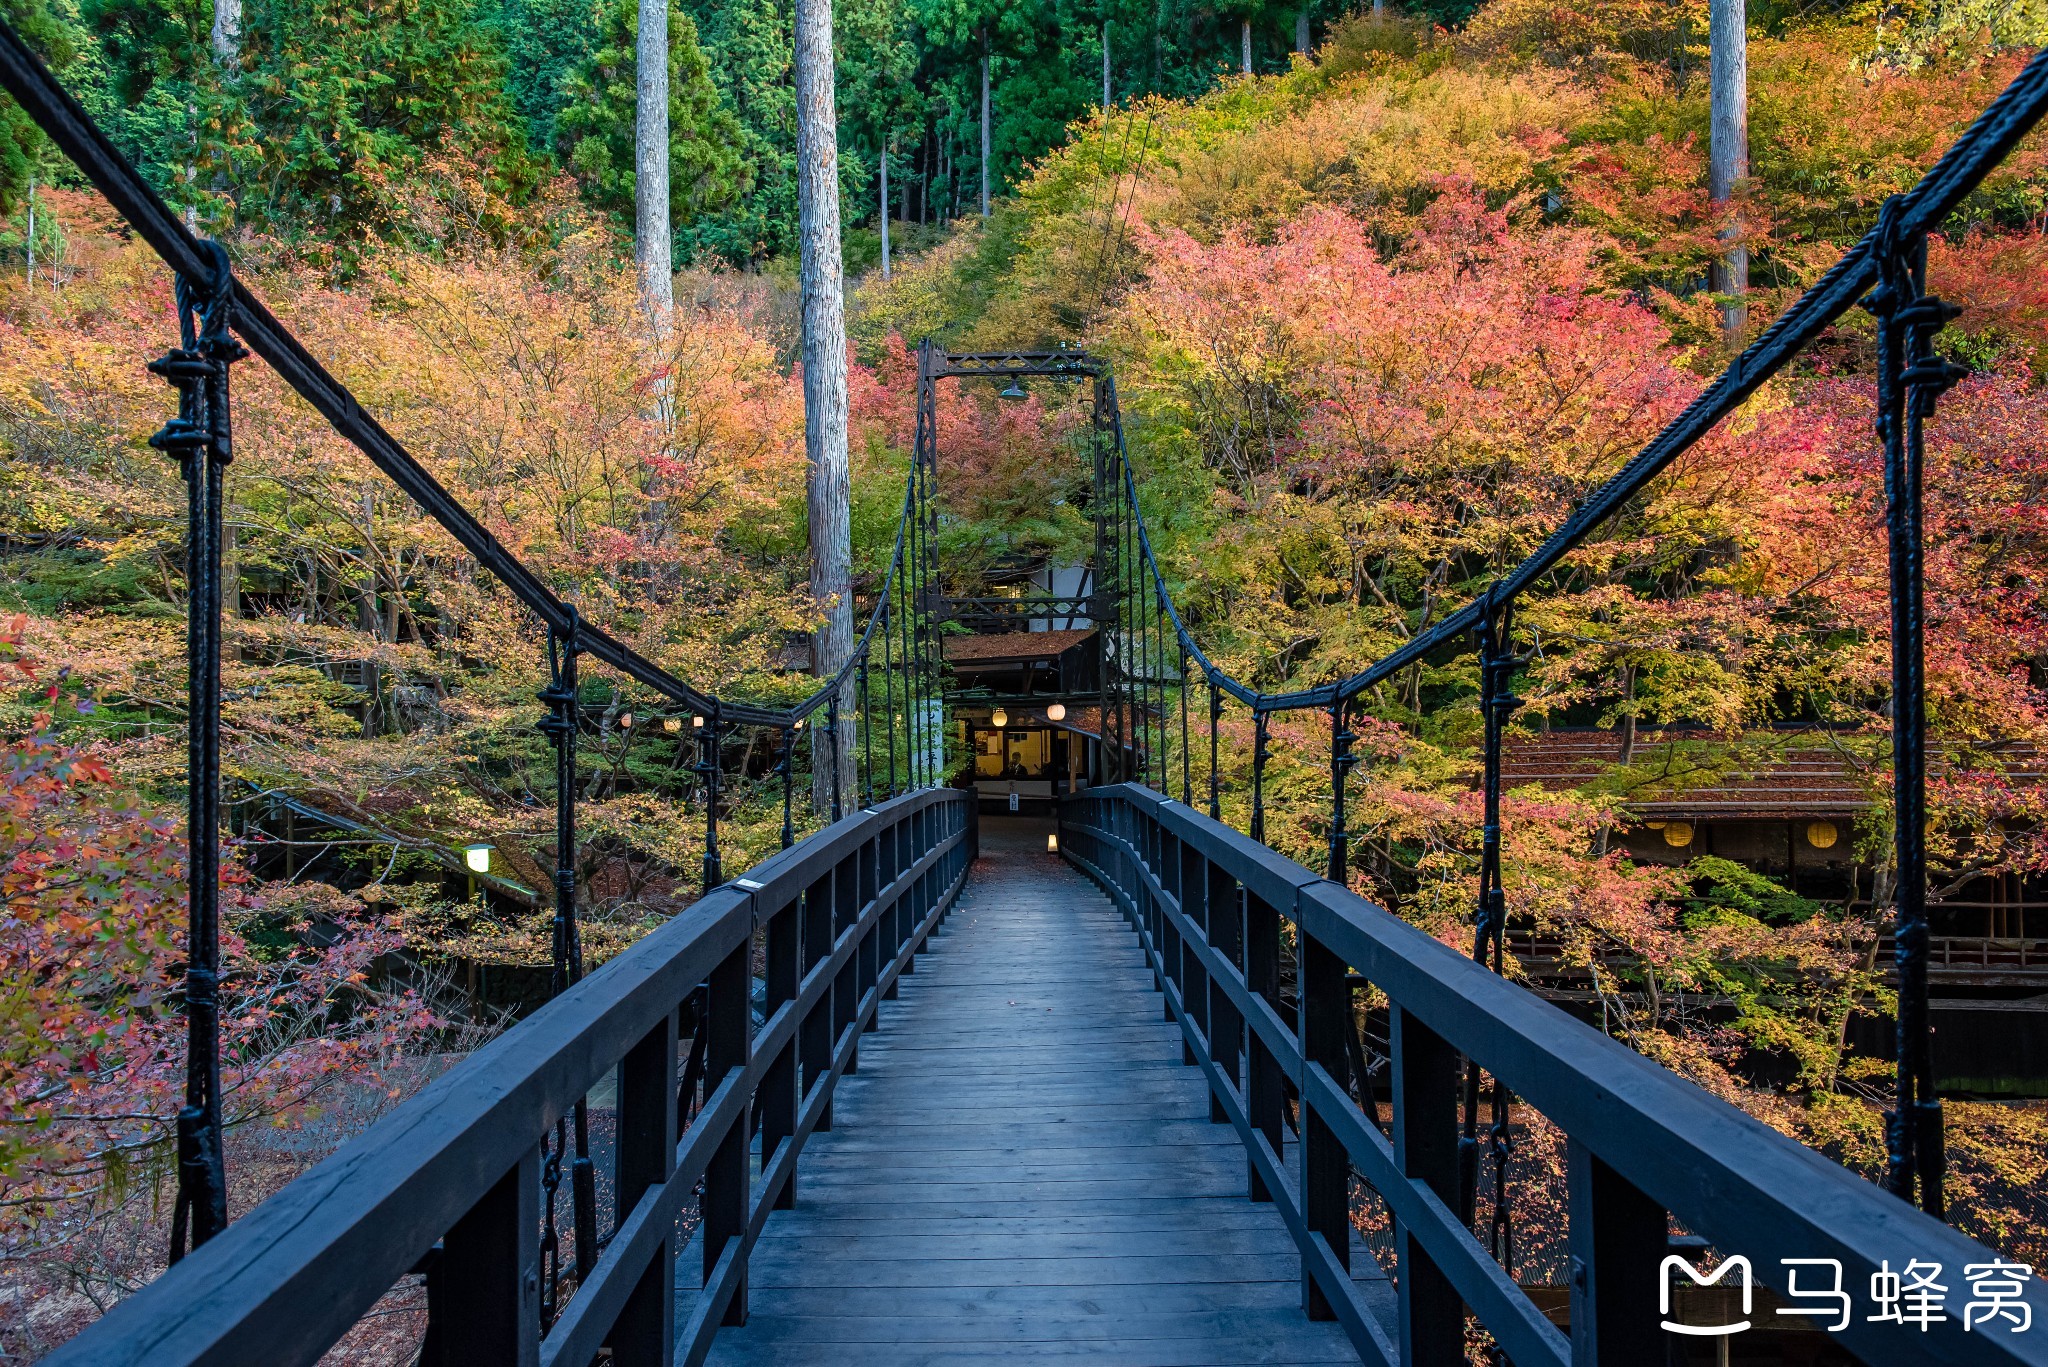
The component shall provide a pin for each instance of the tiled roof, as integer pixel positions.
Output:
(1700, 773)
(1014, 645)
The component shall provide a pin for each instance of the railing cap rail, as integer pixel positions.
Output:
(1745, 1186)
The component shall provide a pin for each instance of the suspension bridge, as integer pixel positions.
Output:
(929, 1087)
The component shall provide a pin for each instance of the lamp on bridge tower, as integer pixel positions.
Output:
(1014, 390)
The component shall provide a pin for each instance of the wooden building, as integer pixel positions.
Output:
(1796, 808)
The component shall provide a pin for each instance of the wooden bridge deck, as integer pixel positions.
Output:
(1022, 1166)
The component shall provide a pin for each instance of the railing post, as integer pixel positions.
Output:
(1341, 760)
(561, 725)
(1223, 915)
(1910, 379)
(870, 949)
(1191, 885)
(1619, 1240)
(708, 762)
(1426, 1147)
(832, 748)
(200, 438)
(815, 1036)
(487, 1280)
(1258, 830)
(1215, 775)
(1325, 1165)
(867, 734)
(1166, 936)
(900, 919)
(887, 626)
(1187, 783)
(729, 1023)
(1497, 665)
(846, 983)
(778, 1099)
(1265, 1086)
(645, 1332)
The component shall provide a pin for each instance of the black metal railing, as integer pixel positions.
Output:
(451, 1180)
(1227, 923)
(885, 694)
(1150, 656)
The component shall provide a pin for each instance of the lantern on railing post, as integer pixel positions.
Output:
(1910, 379)
(200, 438)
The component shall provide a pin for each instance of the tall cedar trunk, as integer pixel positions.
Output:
(227, 31)
(829, 488)
(1728, 158)
(1301, 31)
(1106, 101)
(984, 123)
(652, 244)
(883, 164)
(651, 241)
(1244, 34)
(227, 52)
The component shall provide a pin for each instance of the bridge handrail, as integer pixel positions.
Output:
(449, 1180)
(1885, 271)
(1641, 1140)
(213, 309)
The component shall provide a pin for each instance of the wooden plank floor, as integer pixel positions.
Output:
(1023, 1168)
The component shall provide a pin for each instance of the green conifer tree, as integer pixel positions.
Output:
(22, 145)
(346, 101)
(594, 130)
(546, 40)
(750, 43)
